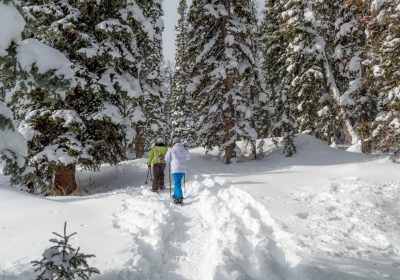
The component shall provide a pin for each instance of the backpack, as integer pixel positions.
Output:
(159, 155)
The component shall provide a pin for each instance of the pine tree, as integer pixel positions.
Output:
(383, 77)
(223, 72)
(316, 93)
(88, 121)
(33, 72)
(166, 88)
(303, 76)
(183, 110)
(63, 262)
(13, 148)
(148, 27)
(274, 69)
(344, 35)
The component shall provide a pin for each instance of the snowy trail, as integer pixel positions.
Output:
(323, 215)
(220, 233)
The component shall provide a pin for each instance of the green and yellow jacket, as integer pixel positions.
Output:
(157, 155)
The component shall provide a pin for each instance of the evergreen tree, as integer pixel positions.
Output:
(167, 91)
(223, 73)
(303, 71)
(63, 262)
(38, 77)
(13, 148)
(149, 27)
(383, 77)
(344, 35)
(94, 117)
(274, 61)
(183, 110)
(299, 57)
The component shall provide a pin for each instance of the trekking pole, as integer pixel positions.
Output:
(184, 183)
(148, 170)
(169, 176)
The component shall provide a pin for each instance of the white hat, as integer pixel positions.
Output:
(176, 140)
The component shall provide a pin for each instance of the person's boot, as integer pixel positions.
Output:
(178, 201)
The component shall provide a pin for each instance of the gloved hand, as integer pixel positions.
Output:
(148, 165)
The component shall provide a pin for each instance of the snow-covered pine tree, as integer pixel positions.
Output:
(183, 111)
(318, 103)
(223, 72)
(13, 148)
(275, 72)
(383, 79)
(149, 27)
(38, 79)
(87, 126)
(166, 88)
(63, 262)
(261, 120)
(304, 77)
(340, 27)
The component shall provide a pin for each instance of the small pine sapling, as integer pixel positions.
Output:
(63, 262)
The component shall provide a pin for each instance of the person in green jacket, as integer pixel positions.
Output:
(157, 160)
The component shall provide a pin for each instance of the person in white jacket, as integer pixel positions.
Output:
(177, 157)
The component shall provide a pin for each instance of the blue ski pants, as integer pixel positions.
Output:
(178, 184)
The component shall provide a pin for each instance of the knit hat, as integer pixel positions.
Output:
(176, 140)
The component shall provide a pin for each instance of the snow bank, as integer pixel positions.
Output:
(11, 26)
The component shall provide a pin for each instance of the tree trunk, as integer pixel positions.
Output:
(229, 123)
(366, 146)
(139, 142)
(228, 135)
(229, 149)
(64, 182)
(253, 142)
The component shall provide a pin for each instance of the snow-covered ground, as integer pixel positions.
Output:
(324, 214)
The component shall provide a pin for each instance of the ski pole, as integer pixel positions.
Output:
(184, 183)
(148, 170)
(169, 175)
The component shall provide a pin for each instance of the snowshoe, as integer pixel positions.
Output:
(178, 201)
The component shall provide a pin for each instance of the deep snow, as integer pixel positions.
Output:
(323, 214)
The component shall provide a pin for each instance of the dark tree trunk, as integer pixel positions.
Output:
(229, 150)
(65, 183)
(366, 146)
(139, 142)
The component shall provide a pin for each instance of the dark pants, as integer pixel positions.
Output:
(158, 180)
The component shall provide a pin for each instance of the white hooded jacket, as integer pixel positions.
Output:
(177, 157)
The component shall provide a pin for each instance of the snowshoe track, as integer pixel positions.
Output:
(220, 233)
